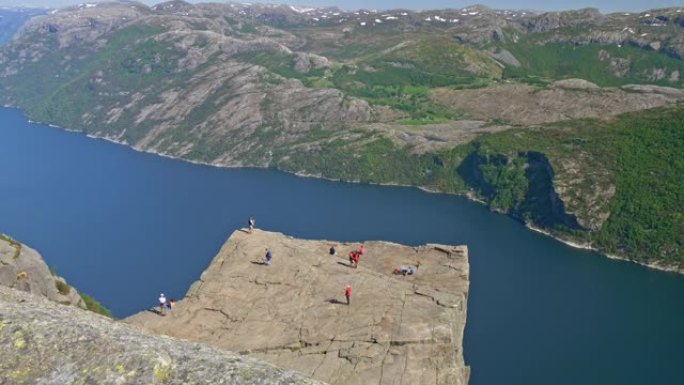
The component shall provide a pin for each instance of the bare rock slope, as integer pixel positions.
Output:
(522, 104)
(42, 342)
(397, 330)
(22, 268)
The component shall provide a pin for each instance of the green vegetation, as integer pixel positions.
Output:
(404, 89)
(368, 157)
(401, 79)
(281, 64)
(131, 59)
(440, 55)
(247, 28)
(95, 306)
(377, 160)
(14, 243)
(647, 213)
(62, 287)
(605, 65)
(638, 153)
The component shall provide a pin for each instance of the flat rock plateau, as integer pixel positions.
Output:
(397, 330)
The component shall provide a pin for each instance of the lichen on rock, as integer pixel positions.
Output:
(42, 342)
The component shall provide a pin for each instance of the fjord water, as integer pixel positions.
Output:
(124, 226)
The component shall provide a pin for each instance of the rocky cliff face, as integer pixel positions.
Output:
(45, 343)
(397, 330)
(22, 268)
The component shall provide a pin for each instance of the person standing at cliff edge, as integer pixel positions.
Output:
(250, 224)
(347, 294)
(162, 303)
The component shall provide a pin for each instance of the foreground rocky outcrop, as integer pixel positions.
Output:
(22, 268)
(42, 342)
(397, 330)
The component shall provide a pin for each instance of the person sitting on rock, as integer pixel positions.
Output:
(355, 259)
(269, 256)
(332, 250)
(362, 250)
(351, 257)
(403, 270)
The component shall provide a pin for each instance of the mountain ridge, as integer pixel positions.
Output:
(399, 99)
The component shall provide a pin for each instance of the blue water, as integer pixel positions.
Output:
(123, 226)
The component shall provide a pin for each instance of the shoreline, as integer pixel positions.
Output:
(669, 268)
(659, 266)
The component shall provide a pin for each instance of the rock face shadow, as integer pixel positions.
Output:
(336, 301)
(262, 263)
(345, 264)
(156, 311)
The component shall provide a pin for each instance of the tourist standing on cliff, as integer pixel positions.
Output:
(250, 223)
(269, 255)
(162, 303)
(347, 294)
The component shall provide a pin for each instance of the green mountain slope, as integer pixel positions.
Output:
(472, 101)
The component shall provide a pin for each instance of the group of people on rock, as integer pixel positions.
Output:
(403, 270)
(354, 258)
(164, 305)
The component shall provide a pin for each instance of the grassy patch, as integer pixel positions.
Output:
(62, 287)
(605, 65)
(14, 243)
(95, 306)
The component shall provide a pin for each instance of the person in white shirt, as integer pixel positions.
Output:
(162, 303)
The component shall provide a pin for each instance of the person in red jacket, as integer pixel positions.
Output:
(357, 256)
(353, 258)
(347, 294)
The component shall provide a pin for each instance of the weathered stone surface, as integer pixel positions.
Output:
(397, 330)
(563, 100)
(45, 343)
(22, 268)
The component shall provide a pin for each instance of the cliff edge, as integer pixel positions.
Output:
(24, 269)
(397, 330)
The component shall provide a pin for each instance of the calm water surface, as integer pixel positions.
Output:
(124, 226)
